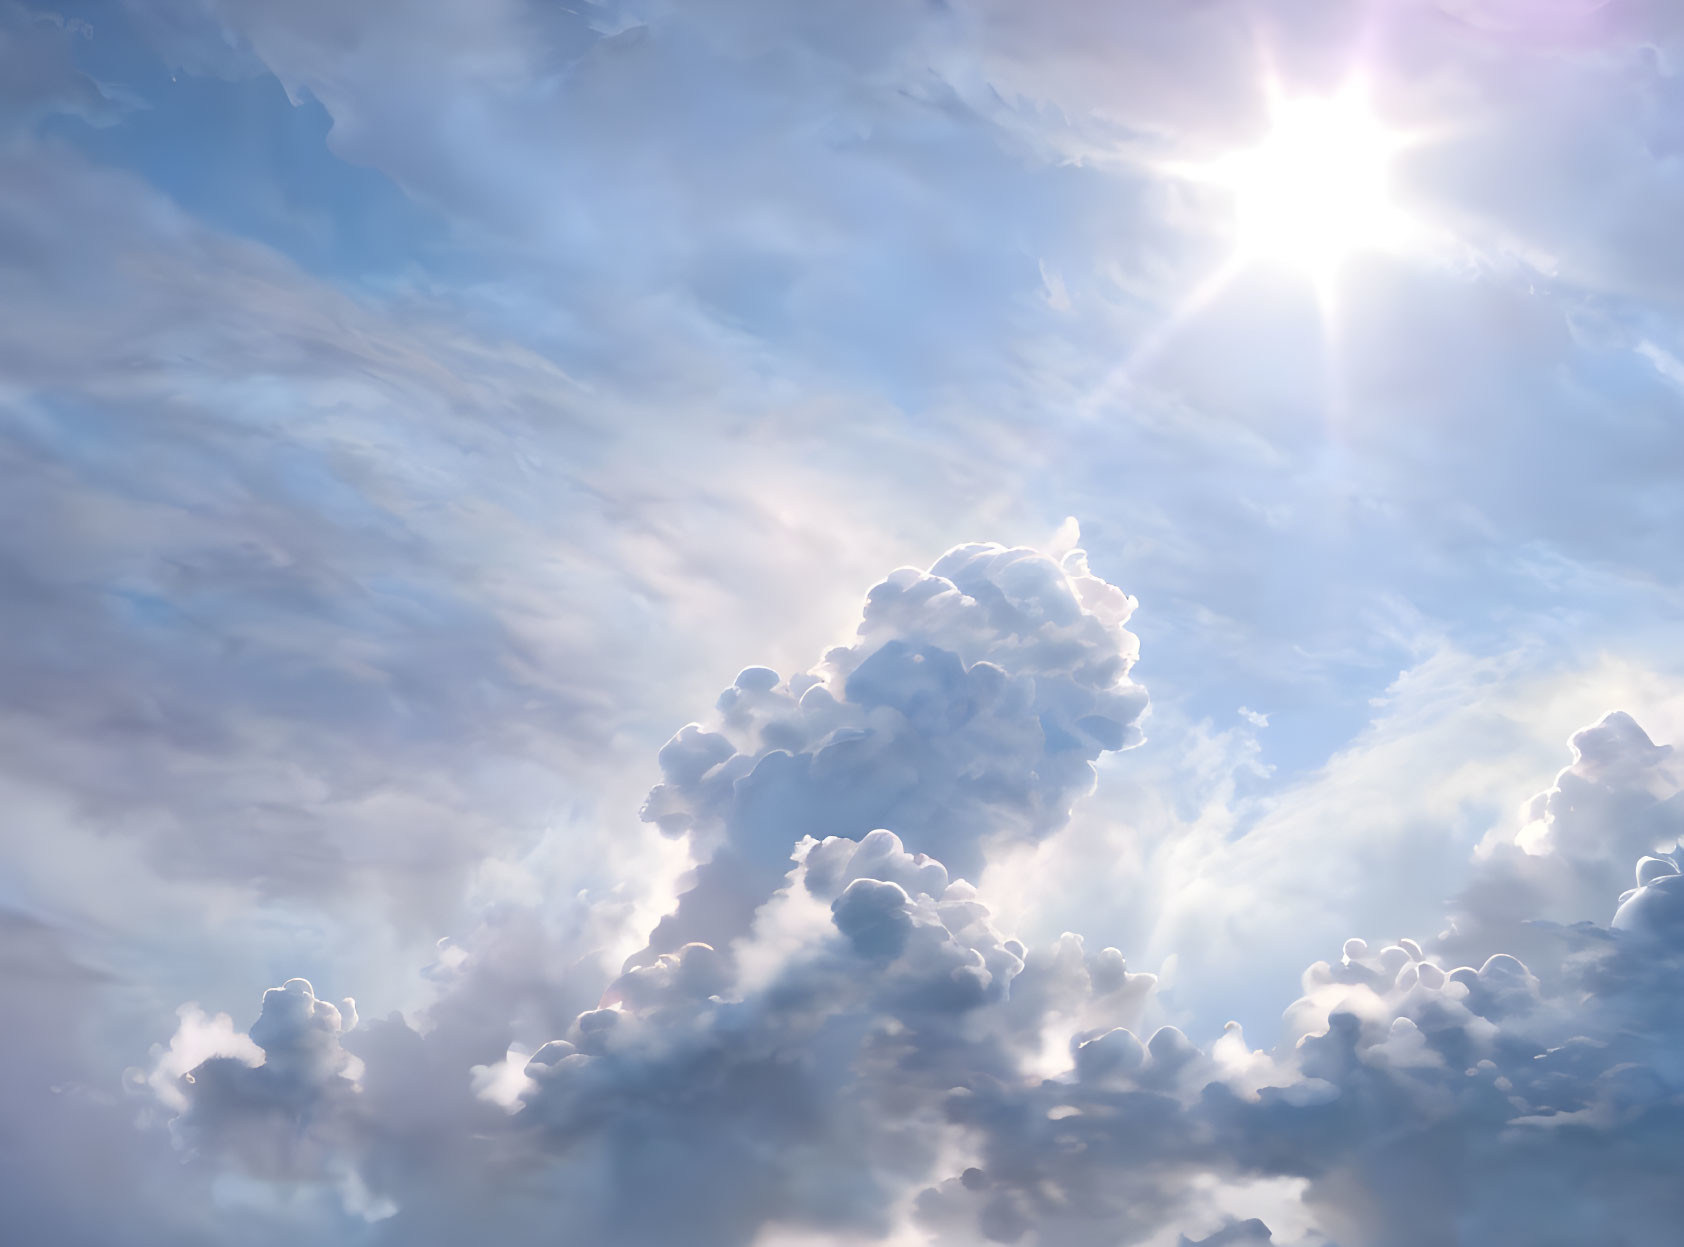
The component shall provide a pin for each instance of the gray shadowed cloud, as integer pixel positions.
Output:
(866, 1053)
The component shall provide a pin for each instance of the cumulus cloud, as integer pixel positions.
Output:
(859, 1050)
(1619, 801)
(274, 1103)
(968, 712)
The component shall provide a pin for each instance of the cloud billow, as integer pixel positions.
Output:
(967, 713)
(831, 1034)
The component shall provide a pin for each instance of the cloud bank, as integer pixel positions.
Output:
(830, 1036)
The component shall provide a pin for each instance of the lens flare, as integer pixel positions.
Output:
(1316, 188)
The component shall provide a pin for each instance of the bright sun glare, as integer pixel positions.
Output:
(1315, 189)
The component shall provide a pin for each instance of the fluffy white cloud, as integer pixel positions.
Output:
(1572, 856)
(859, 1050)
(837, 1001)
(969, 712)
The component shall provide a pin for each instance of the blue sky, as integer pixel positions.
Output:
(412, 416)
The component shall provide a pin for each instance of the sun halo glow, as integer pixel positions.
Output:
(1316, 188)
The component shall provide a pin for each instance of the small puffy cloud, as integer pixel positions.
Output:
(199, 1038)
(1620, 800)
(281, 1101)
(1655, 907)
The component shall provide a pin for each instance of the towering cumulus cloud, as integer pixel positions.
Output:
(967, 713)
(830, 1040)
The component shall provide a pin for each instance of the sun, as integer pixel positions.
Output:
(1316, 189)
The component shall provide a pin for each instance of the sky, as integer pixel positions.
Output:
(907, 622)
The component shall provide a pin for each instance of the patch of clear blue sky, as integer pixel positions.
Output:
(240, 155)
